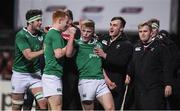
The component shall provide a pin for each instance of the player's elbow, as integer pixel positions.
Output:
(69, 55)
(58, 55)
(28, 57)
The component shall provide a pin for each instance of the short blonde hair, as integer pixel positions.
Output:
(145, 24)
(58, 14)
(88, 23)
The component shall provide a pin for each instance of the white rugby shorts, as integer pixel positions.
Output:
(52, 85)
(89, 89)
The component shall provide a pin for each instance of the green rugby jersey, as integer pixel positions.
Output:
(89, 64)
(53, 40)
(24, 40)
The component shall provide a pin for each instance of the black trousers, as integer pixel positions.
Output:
(70, 78)
(118, 92)
(152, 99)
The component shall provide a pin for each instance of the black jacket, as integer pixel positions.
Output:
(119, 53)
(150, 66)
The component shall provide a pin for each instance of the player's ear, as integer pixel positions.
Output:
(121, 29)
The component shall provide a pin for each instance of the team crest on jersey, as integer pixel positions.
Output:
(40, 38)
(104, 42)
(137, 48)
(152, 49)
(117, 46)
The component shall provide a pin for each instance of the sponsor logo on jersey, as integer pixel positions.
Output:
(152, 49)
(117, 46)
(104, 42)
(137, 48)
(93, 55)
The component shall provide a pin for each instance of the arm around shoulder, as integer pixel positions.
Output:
(29, 55)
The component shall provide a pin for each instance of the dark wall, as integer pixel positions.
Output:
(176, 37)
(6, 14)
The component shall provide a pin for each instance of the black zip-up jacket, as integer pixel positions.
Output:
(150, 66)
(119, 53)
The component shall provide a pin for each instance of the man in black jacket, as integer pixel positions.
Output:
(116, 54)
(151, 71)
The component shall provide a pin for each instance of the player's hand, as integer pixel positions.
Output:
(72, 32)
(100, 52)
(168, 90)
(69, 33)
(110, 84)
(127, 80)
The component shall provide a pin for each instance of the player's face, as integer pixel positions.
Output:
(115, 28)
(87, 33)
(145, 33)
(36, 25)
(64, 23)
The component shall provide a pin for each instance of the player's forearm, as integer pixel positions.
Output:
(60, 52)
(70, 48)
(32, 55)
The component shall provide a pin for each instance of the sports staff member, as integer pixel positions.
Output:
(91, 81)
(151, 71)
(116, 54)
(26, 67)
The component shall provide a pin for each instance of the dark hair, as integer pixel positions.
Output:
(153, 20)
(164, 33)
(32, 13)
(69, 13)
(76, 22)
(121, 19)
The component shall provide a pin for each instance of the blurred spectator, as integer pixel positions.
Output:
(1, 65)
(6, 65)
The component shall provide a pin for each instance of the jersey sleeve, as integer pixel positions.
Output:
(22, 42)
(57, 41)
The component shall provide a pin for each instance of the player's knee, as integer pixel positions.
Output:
(42, 102)
(87, 102)
(17, 104)
(109, 107)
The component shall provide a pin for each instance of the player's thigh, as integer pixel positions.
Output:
(104, 96)
(87, 105)
(106, 101)
(55, 100)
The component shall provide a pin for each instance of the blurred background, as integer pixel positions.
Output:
(12, 18)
